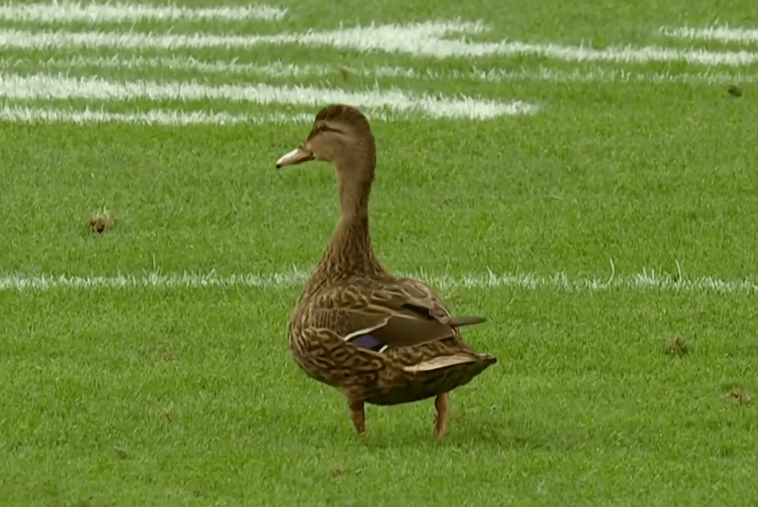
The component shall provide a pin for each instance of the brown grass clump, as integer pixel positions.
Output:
(739, 395)
(168, 356)
(101, 221)
(345, 73)
(677, 346)
(337, 470)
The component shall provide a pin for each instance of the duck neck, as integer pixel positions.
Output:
(350, 252)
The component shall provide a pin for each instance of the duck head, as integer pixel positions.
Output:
(339, 132)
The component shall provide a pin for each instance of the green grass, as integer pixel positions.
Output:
(187, 396)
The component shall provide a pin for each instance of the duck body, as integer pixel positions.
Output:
(381, 339)
(378, 338)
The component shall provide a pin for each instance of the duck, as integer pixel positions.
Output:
(379, 339)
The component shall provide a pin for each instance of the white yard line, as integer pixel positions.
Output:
(23, 114)
(419, 39)
(48, 87)
(717, 33)
(67, 12)
(279, 69)
(644, 281)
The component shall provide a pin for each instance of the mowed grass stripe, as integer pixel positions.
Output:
(418, 39)
(132, 12)
(40, 86)
(279, 69)
(643, 281)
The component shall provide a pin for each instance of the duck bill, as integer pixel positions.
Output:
(296, 156)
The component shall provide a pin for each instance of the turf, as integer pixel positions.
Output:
(187, 396)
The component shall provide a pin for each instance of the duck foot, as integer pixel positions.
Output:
(358, 416)
(442, 403)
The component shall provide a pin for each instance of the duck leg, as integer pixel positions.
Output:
(442, 403)
(358, 415)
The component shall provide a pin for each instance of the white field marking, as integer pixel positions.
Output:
(718, 33)
(67, 12)
(644, 281)
(419, 39)
(22, 114)
(41, 86)
(279, 69)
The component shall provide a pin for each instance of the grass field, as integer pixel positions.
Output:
(576, 172)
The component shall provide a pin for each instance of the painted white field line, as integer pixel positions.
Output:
(541, 73)
(645, 281)
(42, 86)
(23, 114)
(66, 12)
(718, 33)
(279, 69)
(419, 39)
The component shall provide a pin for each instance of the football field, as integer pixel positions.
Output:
(582, 174)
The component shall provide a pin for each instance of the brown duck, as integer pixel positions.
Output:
(377, 338)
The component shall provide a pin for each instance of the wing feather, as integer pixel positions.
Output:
(381, 314)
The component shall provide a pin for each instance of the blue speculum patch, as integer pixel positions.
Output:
(367, 341)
